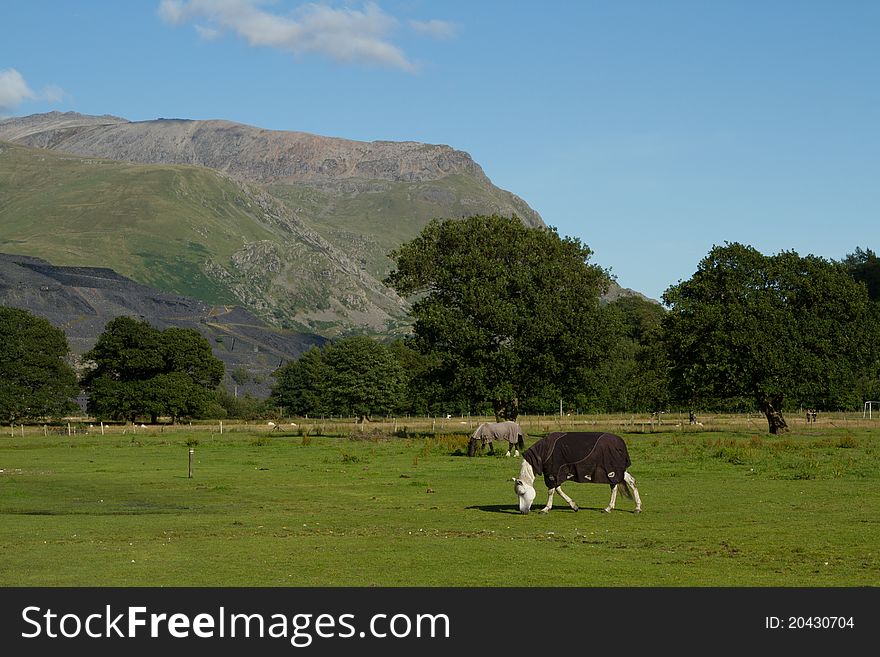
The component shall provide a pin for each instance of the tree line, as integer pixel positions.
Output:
(508, 320)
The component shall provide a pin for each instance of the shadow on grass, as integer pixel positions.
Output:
(496, 508)
(513, 509)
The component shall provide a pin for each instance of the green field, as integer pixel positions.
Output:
(391, 506)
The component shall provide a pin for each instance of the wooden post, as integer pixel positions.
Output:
(102, 427)
(221, 426)
(191, 452)
(68, 428)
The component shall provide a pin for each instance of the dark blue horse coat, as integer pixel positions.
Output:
(599, 458)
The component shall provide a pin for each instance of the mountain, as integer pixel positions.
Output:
(81, 300)
(293, 226)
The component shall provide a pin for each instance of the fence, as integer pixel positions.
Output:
(531, 424)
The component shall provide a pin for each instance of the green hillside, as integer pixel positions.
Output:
(367, 219)
(188, 230)
(156, 224)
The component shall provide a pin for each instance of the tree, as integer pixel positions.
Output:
(300, 384)
(768, 328)
(36, 381)
(864, 266)
(127, 350)
(636, 371)
(504, 311)
(139, 370)
(364, 377)
(423, 395)
(186, 351)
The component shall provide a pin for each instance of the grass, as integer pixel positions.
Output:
(369, 508)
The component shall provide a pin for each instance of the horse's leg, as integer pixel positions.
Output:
(610, 507)
(549, 501)
(631, 484)
(570, 501)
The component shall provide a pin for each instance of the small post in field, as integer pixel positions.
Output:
(191, 452)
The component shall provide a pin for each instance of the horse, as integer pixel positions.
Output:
(585, 457)
(488, 432)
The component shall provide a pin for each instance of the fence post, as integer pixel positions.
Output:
(191, 452)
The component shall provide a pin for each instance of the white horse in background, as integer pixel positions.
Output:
(584, 457)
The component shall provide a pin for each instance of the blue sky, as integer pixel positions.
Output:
(651, 130)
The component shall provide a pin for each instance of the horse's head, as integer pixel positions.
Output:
(526, 494)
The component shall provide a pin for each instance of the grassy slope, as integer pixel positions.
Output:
(159, 224)
(154, 224)
(368, 225)
(722, 508)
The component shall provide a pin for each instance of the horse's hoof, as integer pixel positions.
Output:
(606, 510)
(637, 511)
(543, 511)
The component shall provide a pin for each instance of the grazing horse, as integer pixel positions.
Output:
(488, 432)
(599, 458)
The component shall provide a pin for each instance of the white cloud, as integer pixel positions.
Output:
(14, 90)
(53, 93)
(208, 33)
(344, 34)
(435, 28)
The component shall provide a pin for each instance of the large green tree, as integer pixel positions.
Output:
(769, 328)
(138, 370)
(636, 373)
(864, 266)
(503, 311)
(300, 384)
(36, 381)
(356, 375)
(364, 377)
